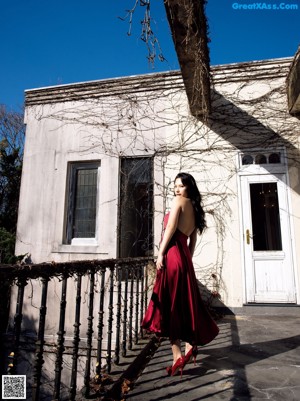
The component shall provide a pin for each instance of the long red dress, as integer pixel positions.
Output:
(176, 309)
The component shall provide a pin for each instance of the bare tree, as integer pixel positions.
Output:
(12, 133)
(147, 34)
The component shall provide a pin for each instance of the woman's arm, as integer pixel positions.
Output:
(193, 240)
(169, 231)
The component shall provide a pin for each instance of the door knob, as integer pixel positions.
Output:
(248, 236)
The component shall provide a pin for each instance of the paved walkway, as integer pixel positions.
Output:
(253, 358)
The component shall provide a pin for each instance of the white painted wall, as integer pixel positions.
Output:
(249, 104)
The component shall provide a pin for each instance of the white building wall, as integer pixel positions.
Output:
(151, 118)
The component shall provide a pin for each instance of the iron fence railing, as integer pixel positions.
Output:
(76, 319)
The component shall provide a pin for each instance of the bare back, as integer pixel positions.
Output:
(186, 219)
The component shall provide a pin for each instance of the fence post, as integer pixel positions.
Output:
(76, 339)
(89, 335)
(12, 368)
(39, 360)
(60, 340)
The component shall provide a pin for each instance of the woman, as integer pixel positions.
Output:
(176, 309)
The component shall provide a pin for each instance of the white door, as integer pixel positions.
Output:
(267, 239)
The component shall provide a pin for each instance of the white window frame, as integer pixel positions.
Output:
(73, 167)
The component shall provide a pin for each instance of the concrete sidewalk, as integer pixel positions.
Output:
(253, 358)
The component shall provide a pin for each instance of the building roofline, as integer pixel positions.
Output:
(293, 85)
(106, 80)
(253, 62)
(152, 82)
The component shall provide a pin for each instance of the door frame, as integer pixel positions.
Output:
(271, 171)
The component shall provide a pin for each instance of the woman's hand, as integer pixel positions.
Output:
(159, 261)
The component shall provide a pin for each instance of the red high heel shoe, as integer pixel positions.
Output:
(178, 365)
(191, 354)
(169, 370)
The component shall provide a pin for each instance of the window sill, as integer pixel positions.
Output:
(84, 242)
(80, 249)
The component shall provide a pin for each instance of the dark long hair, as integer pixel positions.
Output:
(195, 197)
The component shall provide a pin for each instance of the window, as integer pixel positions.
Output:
(274, 158)
(136, 207)
(81, 201)
(247, 159)
(260, 158)
(265, 217)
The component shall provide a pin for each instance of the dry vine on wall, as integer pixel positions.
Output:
(157, 123)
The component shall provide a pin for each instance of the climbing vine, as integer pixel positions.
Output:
(151, 118)
(147, 34)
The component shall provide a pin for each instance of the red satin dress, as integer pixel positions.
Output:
(176, 309)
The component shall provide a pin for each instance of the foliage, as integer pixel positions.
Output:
(7, 246)
(10, 179)
(12, 131)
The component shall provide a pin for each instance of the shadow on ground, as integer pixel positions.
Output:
(253, 358)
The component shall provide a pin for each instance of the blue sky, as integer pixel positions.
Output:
(46, 43)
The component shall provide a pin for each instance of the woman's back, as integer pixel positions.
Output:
(186, 219)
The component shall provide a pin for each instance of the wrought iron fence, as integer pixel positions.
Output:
(76, 319)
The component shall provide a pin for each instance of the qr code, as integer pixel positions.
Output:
(14, 387)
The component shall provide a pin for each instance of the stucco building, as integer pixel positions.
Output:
(100, 158)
